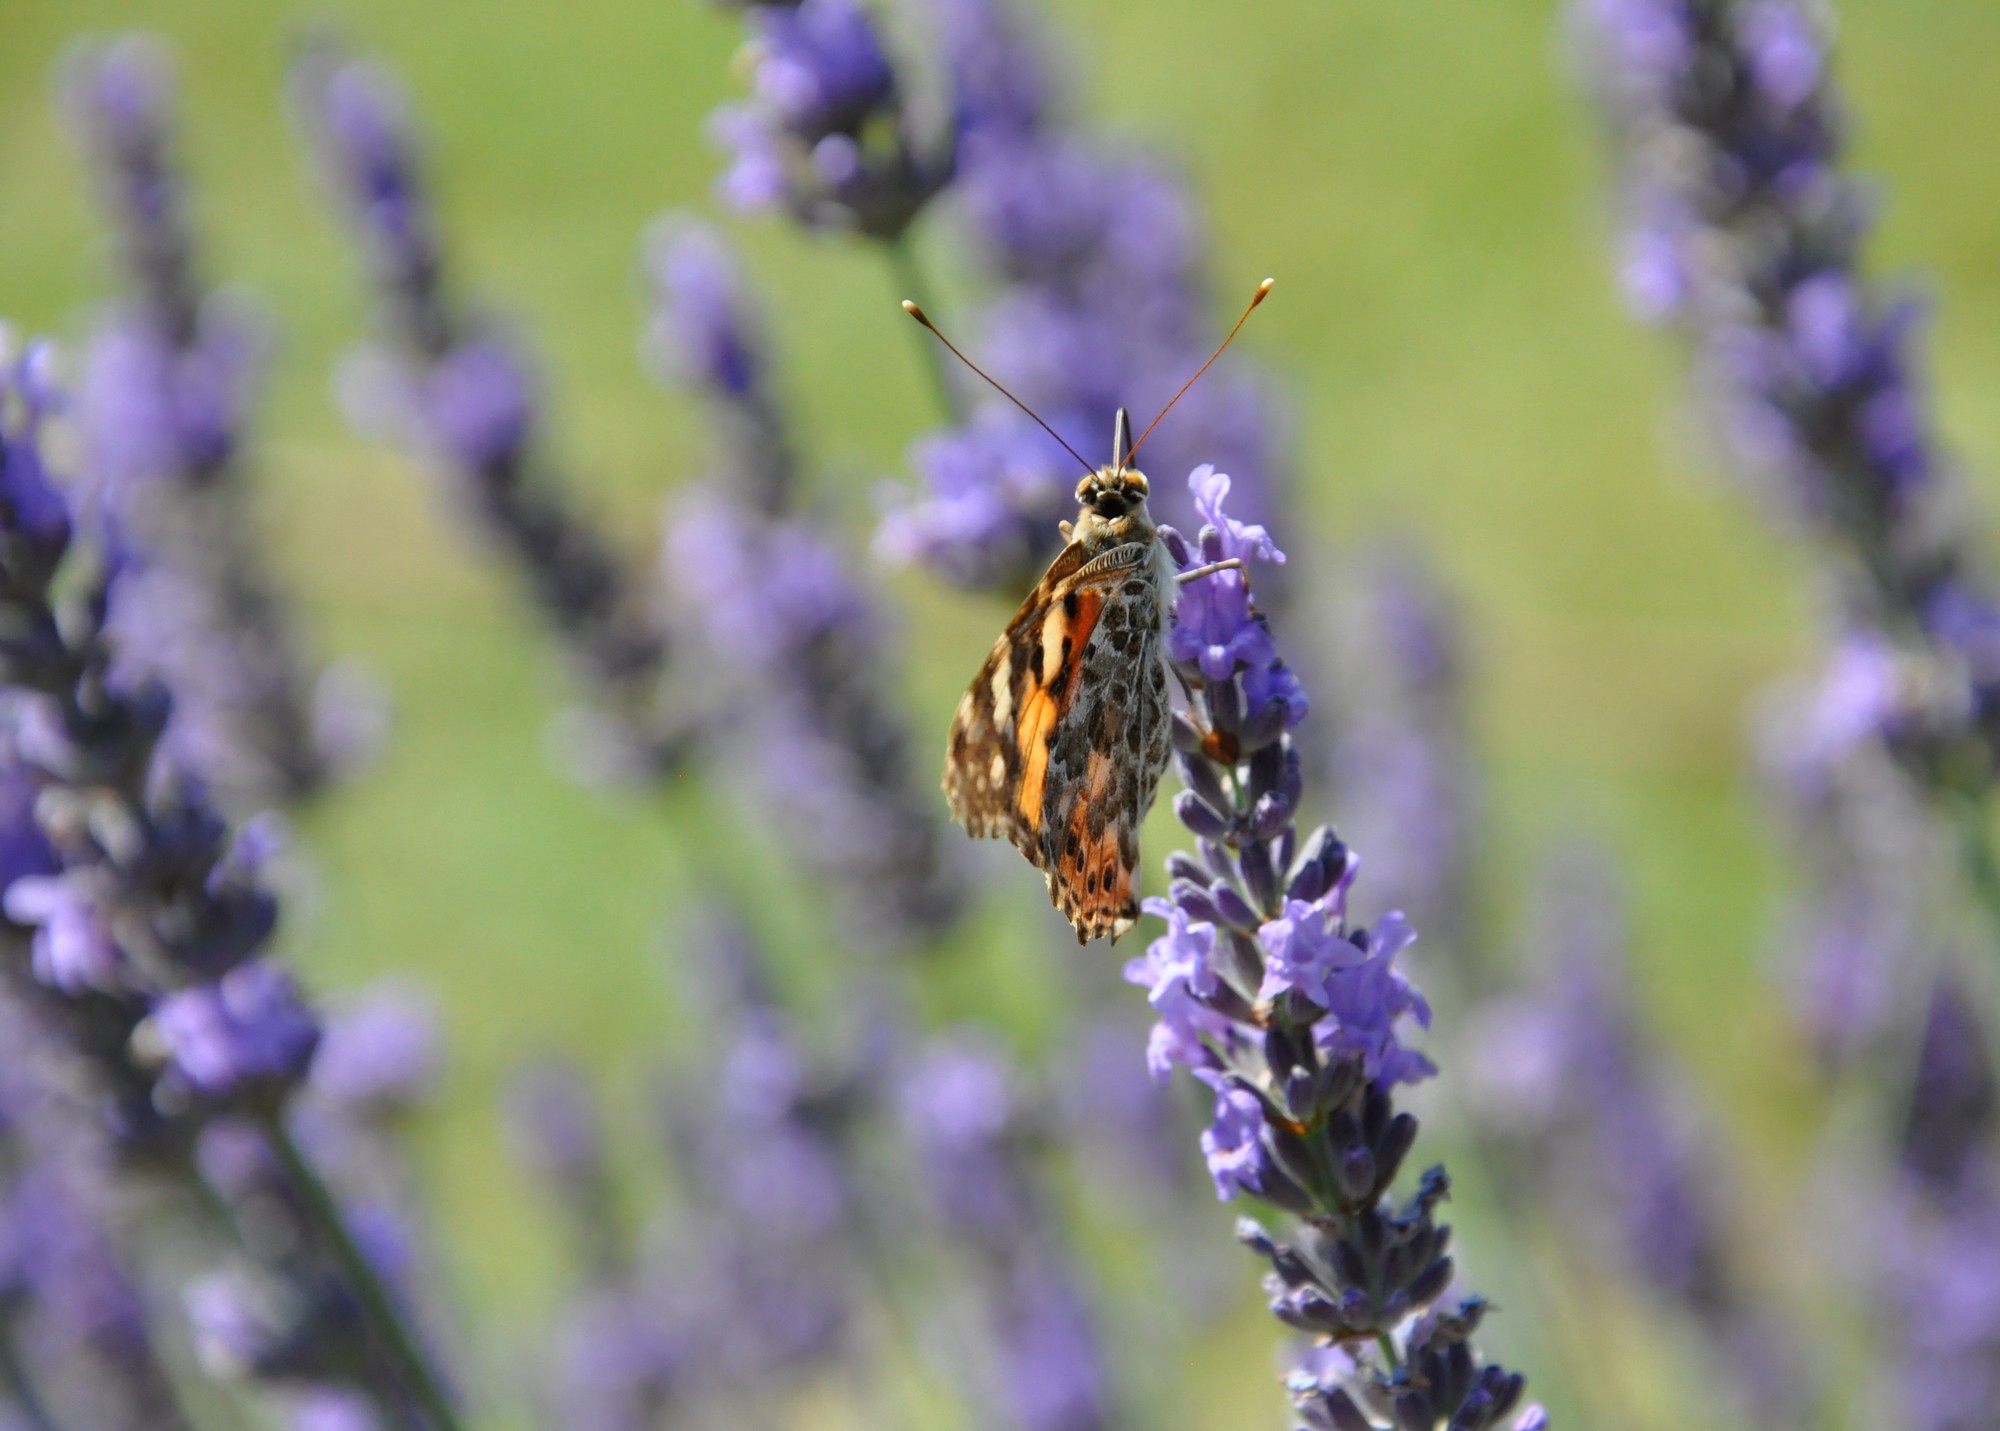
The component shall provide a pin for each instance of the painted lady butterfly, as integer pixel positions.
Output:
(1060, 740)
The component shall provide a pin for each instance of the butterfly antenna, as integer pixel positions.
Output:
(1255, 298)
(924, 318)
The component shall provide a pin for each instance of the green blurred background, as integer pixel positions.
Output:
(1427, 185)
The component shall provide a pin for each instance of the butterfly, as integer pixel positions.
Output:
(1059, 741)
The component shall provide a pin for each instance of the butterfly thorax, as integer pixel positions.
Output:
(1113, 511)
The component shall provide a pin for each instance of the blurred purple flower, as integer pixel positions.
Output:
(996, 488)
(965, 1113)
(826, 133)
(1942, 1254)
(1093, 260)
(451, 384)
(793, 641)
(198, 1023)
(1594, 1120)
(247, 1030)
(326, 1408)
(379, 1051)
(165, 401)
(1751, 231)
(703, 333)
(621, 1362)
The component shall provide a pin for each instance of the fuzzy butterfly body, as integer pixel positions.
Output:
(1060, 740)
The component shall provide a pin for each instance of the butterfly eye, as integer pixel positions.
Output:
(1135, 482)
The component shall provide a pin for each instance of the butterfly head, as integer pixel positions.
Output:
(1112, 492)
(1113, 498)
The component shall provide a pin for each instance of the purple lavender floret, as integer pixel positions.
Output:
(451, 385)
(248, 1030)
(1749, 237)
(163, 410)
(1297, 1022)
(794, 642)
(379, 1051)
(827, 133)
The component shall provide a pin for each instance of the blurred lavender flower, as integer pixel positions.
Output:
(555, 1131)
(1296, 1021)
(794, 643)
(746, 1287)
(763, 1160)
(1094, 259)
(1749, 236)
(379, 1055)
(829, 132)
(451, 385)
(624, 1343)
(294, 1316)
(1393, 738)
(961, 1110)
(164, 404)
(75, 1342)
(1875, 868)
(1588, 1117)
(1943, 1257)
(176, 1015)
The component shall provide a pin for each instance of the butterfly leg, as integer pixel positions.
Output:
(1226, 564)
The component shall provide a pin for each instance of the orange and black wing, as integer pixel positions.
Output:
(1059, 742)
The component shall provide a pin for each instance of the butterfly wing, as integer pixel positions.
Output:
(1059, 742)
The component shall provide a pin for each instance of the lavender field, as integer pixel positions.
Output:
(487, 573)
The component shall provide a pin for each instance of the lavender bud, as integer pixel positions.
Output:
(1199, 816)
(1203, 781)
(1269, 818)
(1193, 896)
(1254, 859)
(1233, 908)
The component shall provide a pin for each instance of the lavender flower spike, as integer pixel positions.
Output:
(453, 387)
(828, 132)
(794, 640)
(965, 1117)
(164, 402)
(1944, 1224)
(1296, 1020)
(150, 918)
(1587, 1117)
(1748, 234)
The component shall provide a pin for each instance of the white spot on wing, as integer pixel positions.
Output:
(1003, 693)
(1054, 630)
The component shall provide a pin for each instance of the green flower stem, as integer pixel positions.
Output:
(378, 1311)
